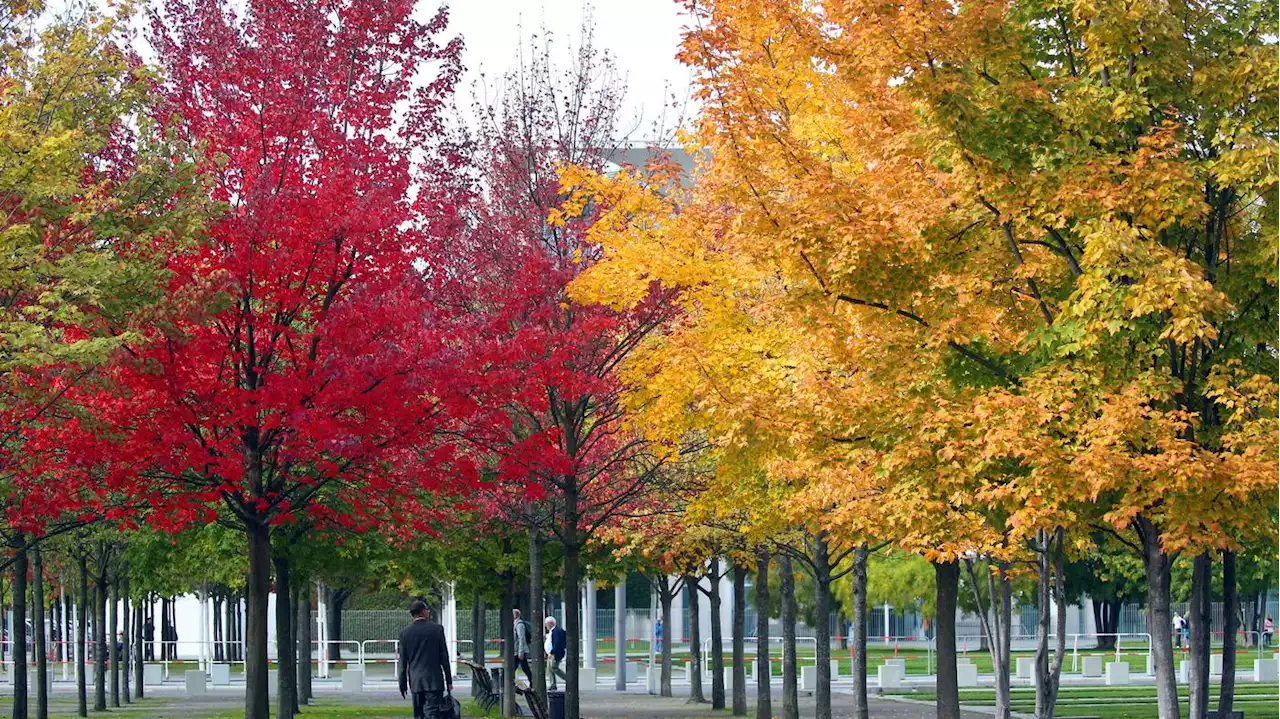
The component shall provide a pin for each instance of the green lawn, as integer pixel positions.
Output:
(1130, 702)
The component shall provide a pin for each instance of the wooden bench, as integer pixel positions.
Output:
(486, 693)
(536, 707)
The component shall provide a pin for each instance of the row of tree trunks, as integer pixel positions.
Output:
(764, 672)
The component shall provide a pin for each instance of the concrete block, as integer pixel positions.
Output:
(1184, 672)
(352, 681)
(1215, 665)
(152, 675)
(835, 669)
(890, 676)
(1151, 665)
(587, 677)
(808, 678)
(1117, 673)
(195, 683)
(899, 662)
(1026, 667)
(273, 680)
(1091, 666)
(964, 659)
(967, 675)
(1266, 670)
(220, 675)
(688, 672)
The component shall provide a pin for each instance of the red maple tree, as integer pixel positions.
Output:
(300, 366)
(542, 365)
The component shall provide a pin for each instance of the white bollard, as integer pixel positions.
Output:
(195, 683)
(653, 677)
(220, 674)
(1117, 673)
(1184, 672)
(967, 675)
(1151, 665)
(688, 672)
(586, 677)
(890, 676)
(152, 675)
(808, 678)
(1091, 666)
(352, 681)
(1215, 665)
(1026, 667)
(835, 669)
(1266, 670)
(273, 680)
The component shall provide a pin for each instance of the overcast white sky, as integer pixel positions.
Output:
(643, 35)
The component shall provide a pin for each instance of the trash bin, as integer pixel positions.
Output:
(555, 701)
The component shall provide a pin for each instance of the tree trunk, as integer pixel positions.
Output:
(822, 628)
(717, 639)
(19, 638)
(303, 623)
(739, 637)
(858, 632)
(113, 639)
(37, 624)
(508, 645)
(139, 618)
(1049, 556)
(286, 653)
(1198, 620)
(336, 599)
(572, 600)
(666, 594)
(82, 688)
(538, 661)
(125, 640)
(100, 638)
(764, 673)
(257, 705)
(219, 634)
(695, 640)
(1044, 580)
(477, 635)
(1158, 567)
(1002, 591)
(1106, 620)
(947, 578)
(787, 588)
(1230, 625)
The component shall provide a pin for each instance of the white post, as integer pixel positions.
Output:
(201, 660)
(620, 635)
(589, 622)
(653, 635)
(450, 623)
(887, 608)
(66, 646)
(321, 626)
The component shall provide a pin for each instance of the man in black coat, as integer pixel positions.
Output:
(424, 663)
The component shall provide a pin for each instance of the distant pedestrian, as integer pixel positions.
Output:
(556, 639)
(1179, 631)
(657, 635)
(1268, 628)
(424, 665)
(520, 657)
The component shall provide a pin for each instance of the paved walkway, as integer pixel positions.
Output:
(598, 704)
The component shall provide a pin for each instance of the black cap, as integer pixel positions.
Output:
(417, 608)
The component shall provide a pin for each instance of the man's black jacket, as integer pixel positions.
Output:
(558, 640)
(424, 658)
